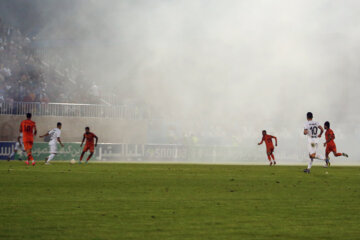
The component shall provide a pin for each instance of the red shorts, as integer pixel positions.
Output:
(28, 145)
(330, 148)
(270, 149)
(89, 147)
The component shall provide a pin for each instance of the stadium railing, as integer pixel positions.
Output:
(73, 110)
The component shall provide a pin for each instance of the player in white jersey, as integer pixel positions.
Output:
(54, 139)
(19, 146)
(311, 129)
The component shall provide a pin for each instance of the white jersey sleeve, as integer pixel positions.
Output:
(306, 126)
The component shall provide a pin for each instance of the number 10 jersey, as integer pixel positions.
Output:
(313, 129)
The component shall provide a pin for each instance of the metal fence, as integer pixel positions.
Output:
(73, 110)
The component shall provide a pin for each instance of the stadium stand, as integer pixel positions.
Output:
(34, 78)
(25, 77)
(29, 83)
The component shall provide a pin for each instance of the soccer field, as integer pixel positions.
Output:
(159, 201)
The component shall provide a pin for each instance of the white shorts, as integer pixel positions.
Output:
(53, 147)
(19, 146)
(312, 146)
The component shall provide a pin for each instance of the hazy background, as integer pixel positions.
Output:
(238, 66)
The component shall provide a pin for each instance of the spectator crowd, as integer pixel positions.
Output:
(26, 77)
(21, 76)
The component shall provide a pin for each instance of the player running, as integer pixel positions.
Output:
(330, 144)
(19, 146)
(54, 139)
(28, 129)
(311, 130)
(269, 146)
(89, 145)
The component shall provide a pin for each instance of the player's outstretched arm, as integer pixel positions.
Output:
(46, 134)
(262, 140)
(96, 140)
(20, 129)
(60, 142)
(35, 130)
(275, 140)
(82, 142)
(321, 131)
(306, 132)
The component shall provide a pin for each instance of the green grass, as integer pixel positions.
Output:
(153, 201)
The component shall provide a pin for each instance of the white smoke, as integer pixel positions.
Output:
(241, 65)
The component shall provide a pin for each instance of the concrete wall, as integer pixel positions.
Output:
(108, 130)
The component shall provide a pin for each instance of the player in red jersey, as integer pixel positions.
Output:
(28, 130)
(269, 146)
(330, 144)
(89, 145)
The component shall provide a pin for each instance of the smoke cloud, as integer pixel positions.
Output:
(241, 66)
